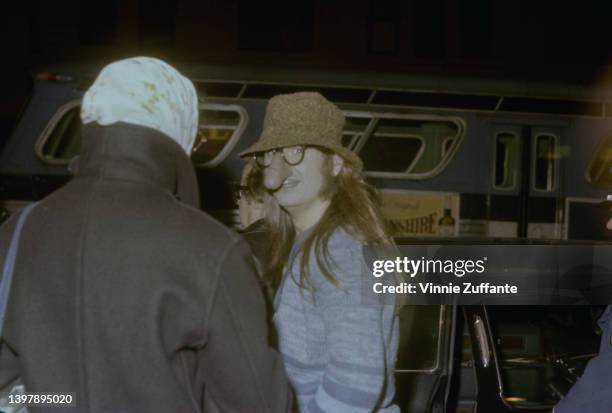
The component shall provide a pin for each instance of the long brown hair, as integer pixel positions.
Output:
(354, 206)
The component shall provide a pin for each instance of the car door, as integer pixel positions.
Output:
(491, 396)
(423, 364)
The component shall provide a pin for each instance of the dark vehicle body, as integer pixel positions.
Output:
(511, 162)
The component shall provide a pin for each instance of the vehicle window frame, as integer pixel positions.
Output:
(233, 140)
(606, 142)
(359, 135)
(534, 157)
(515, 171)
(417, 157)
(443, 146)
(419, 153)
(441, 166)
(40, 143)
(216, 160)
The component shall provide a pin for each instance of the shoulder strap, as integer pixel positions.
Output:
(9, 264)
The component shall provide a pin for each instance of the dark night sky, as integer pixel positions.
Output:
(536, 40)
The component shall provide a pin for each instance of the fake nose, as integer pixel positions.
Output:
(276, 173)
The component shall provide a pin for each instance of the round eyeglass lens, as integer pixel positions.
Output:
(293, 154)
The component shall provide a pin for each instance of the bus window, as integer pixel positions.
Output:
(506, 160)
(354, 128)
(599, 172)
(545, 162)
(391, 153)
(220, 128)
(64, 138)
(413, 147)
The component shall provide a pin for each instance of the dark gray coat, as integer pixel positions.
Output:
(133, 300)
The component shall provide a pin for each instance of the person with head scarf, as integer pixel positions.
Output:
(124, 293)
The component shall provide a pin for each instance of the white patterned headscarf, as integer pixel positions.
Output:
(147, 92)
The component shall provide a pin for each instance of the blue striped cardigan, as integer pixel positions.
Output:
(339, 353)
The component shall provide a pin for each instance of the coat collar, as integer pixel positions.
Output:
(137, 153)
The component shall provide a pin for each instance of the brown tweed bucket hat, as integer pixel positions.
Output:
(303, 118)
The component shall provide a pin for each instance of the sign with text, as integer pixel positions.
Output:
(421, 213)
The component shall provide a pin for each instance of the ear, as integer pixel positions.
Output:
(337, 164)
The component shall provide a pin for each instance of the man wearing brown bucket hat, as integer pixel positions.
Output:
(339, 354)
